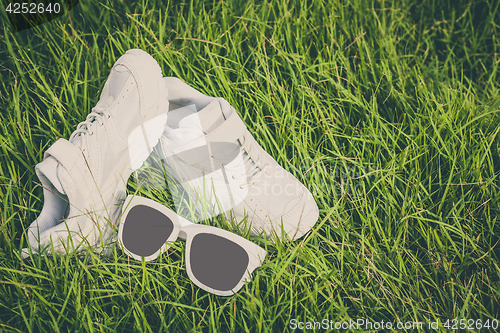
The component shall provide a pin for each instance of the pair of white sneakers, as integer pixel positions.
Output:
(203, 143)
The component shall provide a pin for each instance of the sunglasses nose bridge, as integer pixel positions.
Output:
(182, 234)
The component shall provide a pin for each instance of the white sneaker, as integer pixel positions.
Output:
(221, 167)
(85, 178)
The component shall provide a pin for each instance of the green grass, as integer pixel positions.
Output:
(403, 95)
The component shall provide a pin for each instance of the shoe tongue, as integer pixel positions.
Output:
(116, 81)
(51, 169)
(185, 126)
(105, 102)
(188, 130)
(211, 116)
(76, 140)
(114, 86)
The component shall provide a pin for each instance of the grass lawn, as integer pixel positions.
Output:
(388, 111)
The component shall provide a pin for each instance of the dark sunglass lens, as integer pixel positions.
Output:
(217, 262)
(145, 230)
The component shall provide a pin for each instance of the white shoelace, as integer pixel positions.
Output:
(249, 164)
(83, 128)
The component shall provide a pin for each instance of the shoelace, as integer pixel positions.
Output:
(250, 164)
(84, 127)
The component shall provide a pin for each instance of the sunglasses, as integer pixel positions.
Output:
(217, 260)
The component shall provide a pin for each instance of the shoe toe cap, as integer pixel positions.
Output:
(301, 218)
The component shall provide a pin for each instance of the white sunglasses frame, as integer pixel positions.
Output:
(187, 230)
